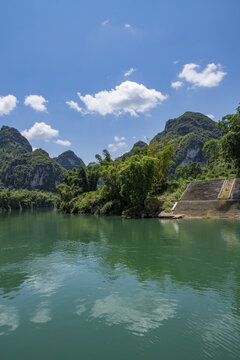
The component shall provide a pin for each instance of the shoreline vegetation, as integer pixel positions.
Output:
(145, 181)
(26, 199)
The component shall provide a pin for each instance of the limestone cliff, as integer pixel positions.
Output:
(22, 168)
(194, 129)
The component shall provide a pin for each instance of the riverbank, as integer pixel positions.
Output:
(26, 199)
(196, 199)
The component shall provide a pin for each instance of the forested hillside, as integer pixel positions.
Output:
(193, 130)
(69, 160)
(138, 183)
(22, 168)
(191, 146)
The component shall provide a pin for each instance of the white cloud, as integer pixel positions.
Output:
(7, 104)
(211, 116)
(119, 143)
(176, 84)
(74, 105)
(105, 22)
(128, 97)
(116, 138)
(117, 146)
(176, 62)
(112, 147)
(122, 144)
(40, 131)
(129, 72)
(211, 76)
(134, 137)
(36, 102)
(63, 142)
(127, 26)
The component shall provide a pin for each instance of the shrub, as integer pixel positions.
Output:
(167, 206)
(112, 207)
(22, 199)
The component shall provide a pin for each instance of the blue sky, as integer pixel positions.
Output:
(65, 69)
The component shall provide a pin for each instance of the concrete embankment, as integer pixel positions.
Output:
(203, 198)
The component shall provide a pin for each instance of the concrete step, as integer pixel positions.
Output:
(203, 190)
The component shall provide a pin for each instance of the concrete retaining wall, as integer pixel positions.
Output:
(221, 208)
(201, 198)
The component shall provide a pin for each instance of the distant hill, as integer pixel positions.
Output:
(11, 141)
(69, 160)
(22, 168)
(195, 129)
(137, 147)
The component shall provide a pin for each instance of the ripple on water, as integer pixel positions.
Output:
(222, 333)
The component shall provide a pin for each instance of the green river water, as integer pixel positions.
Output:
(86, 287)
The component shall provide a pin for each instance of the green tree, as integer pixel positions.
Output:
(135, 179)
(211, 149)
(192, 170)
(230, 140)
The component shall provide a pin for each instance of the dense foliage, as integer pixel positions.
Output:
(230, 141)
(23, 199)
(140, 183)
(11, 141)
(31, 170)
(139, 147)
(118, 186)
(22, 168)
(128, 184)
(193, 130)
(191, 170)
(224, 154)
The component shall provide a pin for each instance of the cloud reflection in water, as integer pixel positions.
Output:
(138, 315)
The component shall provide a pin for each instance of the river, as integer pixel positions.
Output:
(86, 287)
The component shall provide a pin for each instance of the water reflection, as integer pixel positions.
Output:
(9, 319)
(45, 251)
(222, 333)
(138, 315)
(80, 307)
(139, 276)
(43, 314)
(46, 275)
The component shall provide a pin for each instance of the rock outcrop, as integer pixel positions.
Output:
(11, 141)
(22, 168)
(69, 160)
(194, 129)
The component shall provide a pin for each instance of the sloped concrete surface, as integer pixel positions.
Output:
(203, 190)
(236, 190)
(201, 198)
